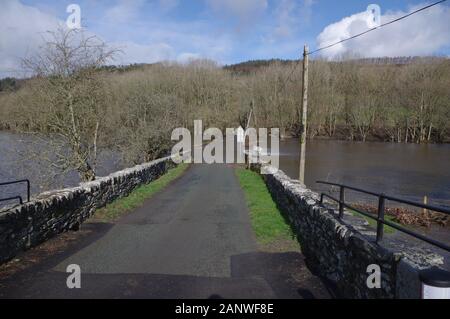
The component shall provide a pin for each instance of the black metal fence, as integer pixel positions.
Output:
(18, 197)
(381, 211)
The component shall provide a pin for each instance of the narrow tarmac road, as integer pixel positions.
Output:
(192, 240)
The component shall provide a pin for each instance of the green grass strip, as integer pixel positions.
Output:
(267, 221)
(124, 205)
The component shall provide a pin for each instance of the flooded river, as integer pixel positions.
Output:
(406, 170)
(16, 163)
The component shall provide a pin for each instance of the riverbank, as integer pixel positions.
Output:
(378, 138)
(344, 135)
(410, 217)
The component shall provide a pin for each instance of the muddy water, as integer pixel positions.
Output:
(405, 170)
(409, 171)
(17, 163)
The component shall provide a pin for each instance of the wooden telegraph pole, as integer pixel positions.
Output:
(304, 115)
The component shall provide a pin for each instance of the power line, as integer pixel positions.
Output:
(378, 27)
(360, 34)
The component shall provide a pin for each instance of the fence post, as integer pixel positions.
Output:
(341, 202)
(28, 190)
(380, 220)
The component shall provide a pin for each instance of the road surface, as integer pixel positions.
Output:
(191, 240)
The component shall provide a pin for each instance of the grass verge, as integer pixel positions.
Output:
(124, 205)
(271, 230)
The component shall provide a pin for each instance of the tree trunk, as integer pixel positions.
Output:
(86, 173)
(430, 129)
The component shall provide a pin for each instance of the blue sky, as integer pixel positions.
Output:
(227, 31)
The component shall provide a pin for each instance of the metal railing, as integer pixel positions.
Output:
(381, 211)
(19, 198)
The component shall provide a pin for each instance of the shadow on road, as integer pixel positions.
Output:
(253, 275)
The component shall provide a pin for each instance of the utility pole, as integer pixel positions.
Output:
(304, 115)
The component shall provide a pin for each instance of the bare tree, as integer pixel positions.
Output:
(132, 109)
(71, 94)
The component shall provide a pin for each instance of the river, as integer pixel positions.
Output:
(408, 171)
(16, 163)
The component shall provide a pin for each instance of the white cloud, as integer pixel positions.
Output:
(421, 34)
(21, 30)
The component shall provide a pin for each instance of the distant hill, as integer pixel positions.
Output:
(249, 66)
(252, 65)
(10, 84)
(126, 68)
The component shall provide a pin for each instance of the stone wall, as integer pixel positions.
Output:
(51, 213)
(341, 250)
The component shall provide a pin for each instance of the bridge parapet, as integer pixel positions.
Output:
(340, 250)
(54, 212)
